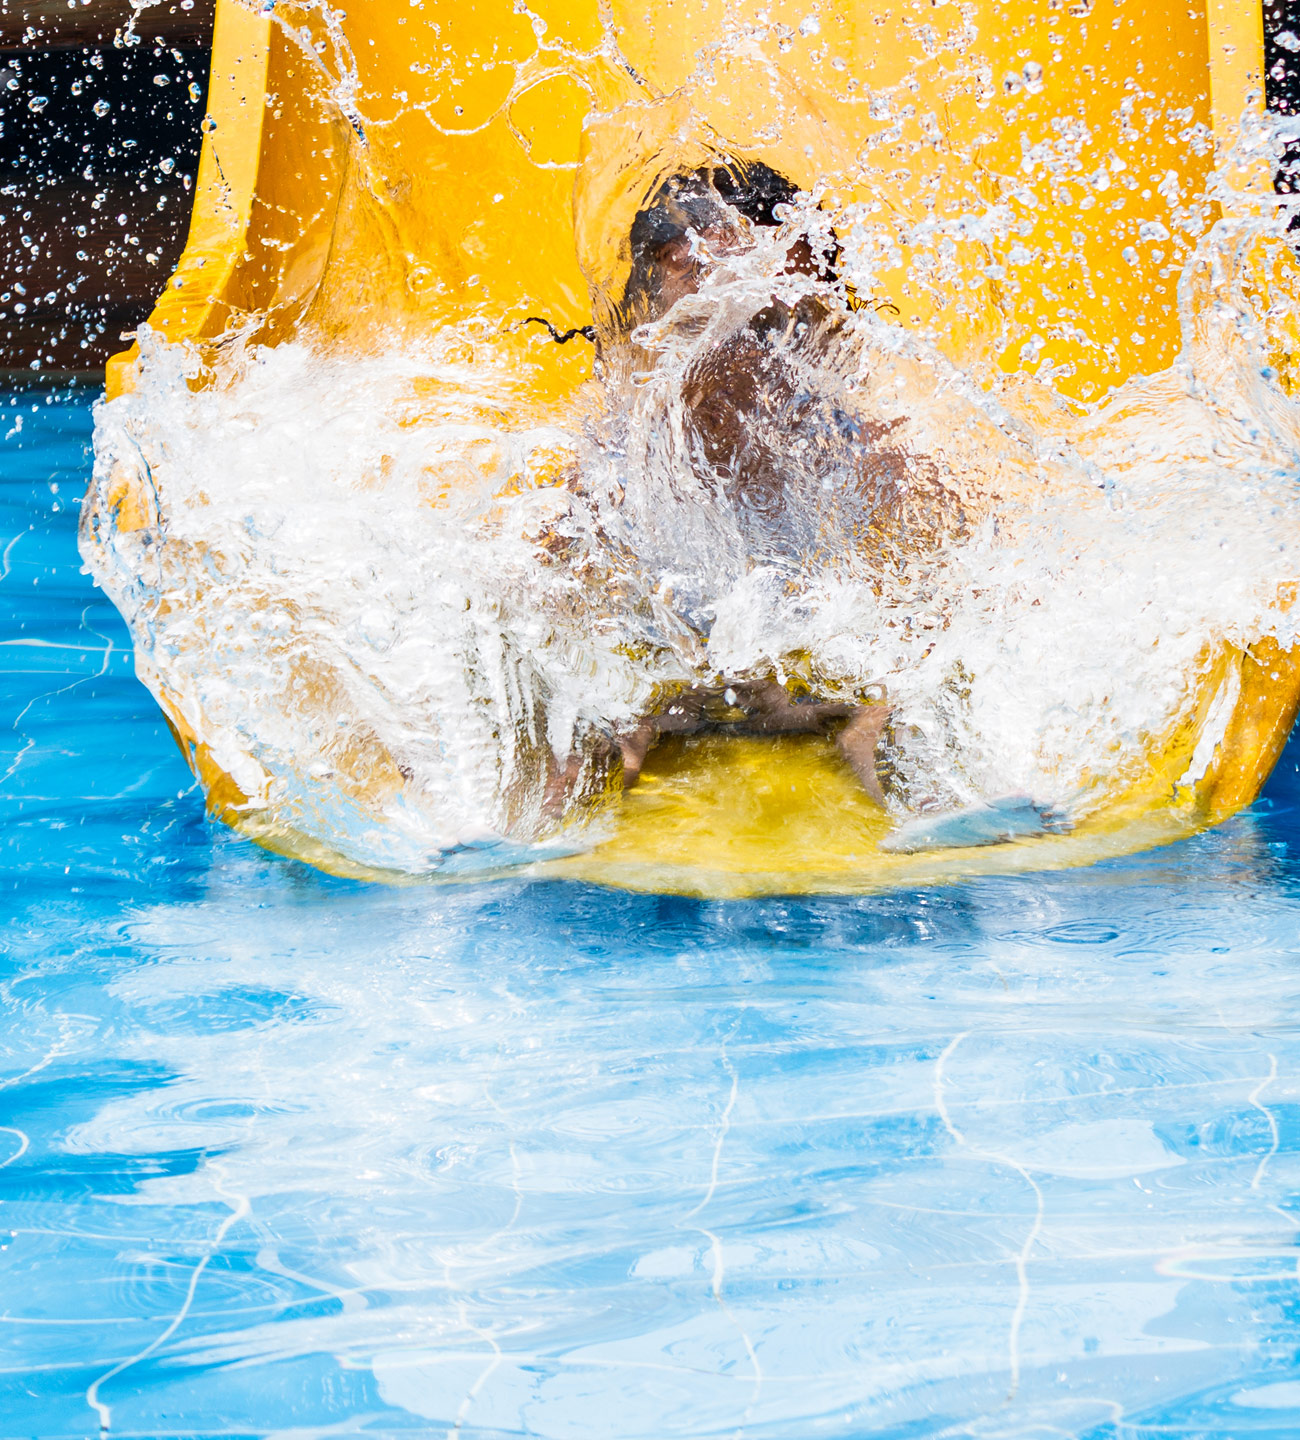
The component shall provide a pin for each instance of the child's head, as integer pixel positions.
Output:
(693, 212)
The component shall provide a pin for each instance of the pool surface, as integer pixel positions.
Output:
(288, 1156)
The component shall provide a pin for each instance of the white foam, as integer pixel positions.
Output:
(386, 651)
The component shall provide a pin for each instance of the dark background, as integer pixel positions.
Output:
(1282, 79)
(97, 160)
(97, 163)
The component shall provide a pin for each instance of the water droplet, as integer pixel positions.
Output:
(1032, 348)
(102, 107)
(1287, 40)
(38, 102)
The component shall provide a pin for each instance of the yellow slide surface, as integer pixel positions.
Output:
(405, 166)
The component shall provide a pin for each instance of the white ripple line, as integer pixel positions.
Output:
(81, 680)
(55, 1050)
(8, 551)
(719, 1272)
(1254, 1100)
(462, 1305)
(1268, 1115)
(21, 1150)
(18, 759)
(724, 1126)
(462, 1414)
(715, 1245)
(1022, 1259)
(489, 1370)
(60, 1047)
(268, 1259)
(92, 1390)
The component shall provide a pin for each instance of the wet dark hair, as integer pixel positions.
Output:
(694, 200)
(686, 201)
(755, 190)
(689, 201)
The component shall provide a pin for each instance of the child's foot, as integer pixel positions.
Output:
(859, 741)
(992, 822)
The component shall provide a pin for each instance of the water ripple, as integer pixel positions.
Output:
(284, 1155)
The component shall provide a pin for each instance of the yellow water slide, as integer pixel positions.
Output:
(382, 171)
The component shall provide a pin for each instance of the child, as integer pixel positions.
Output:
(742, 392)
(763, 427)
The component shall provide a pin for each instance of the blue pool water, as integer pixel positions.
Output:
(288, 1156)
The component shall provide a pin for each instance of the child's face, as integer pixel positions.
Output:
(682, 262)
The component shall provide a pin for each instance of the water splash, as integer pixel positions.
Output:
(407, 614)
